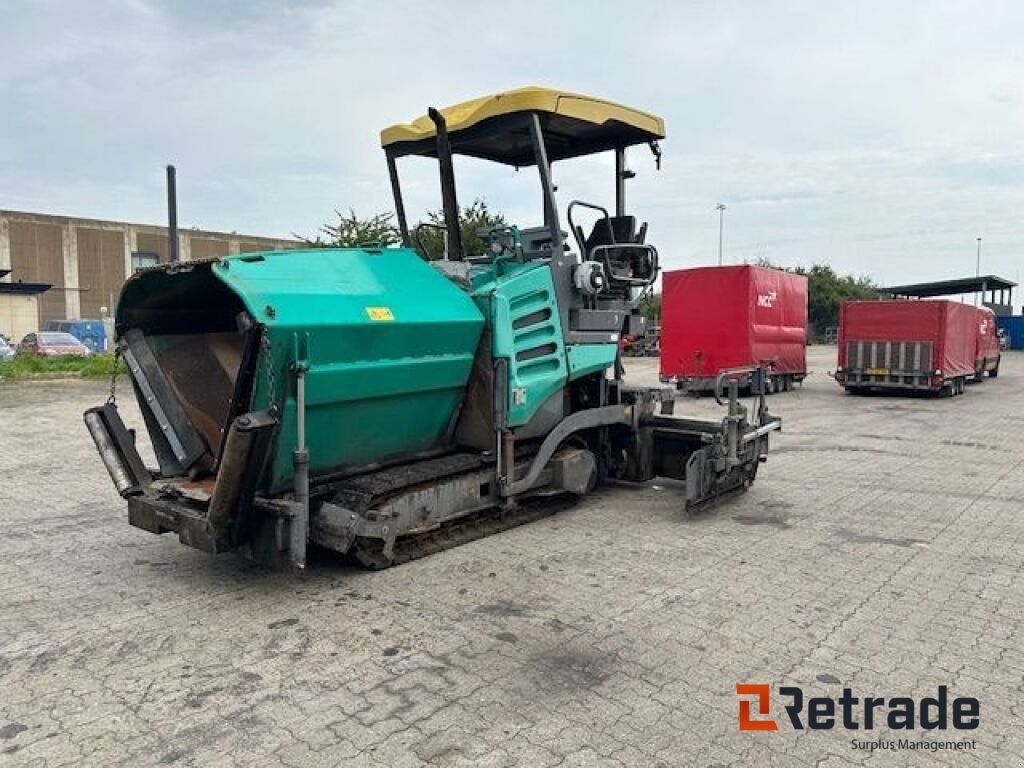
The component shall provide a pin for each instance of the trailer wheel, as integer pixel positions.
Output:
(995, 371)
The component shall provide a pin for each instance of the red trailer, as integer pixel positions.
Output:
(717, 318)
(987, 354)
(916, 345)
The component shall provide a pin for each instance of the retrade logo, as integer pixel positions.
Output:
(762, 693)
(767, 299)
(854, 712)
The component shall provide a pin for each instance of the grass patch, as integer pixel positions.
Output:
(67, 366)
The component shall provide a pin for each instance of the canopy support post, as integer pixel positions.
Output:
(396, 192)
(540, 154)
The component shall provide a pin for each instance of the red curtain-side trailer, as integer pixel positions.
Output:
(718, 318)
(915, 345)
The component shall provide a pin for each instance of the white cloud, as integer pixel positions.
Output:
(880, 137)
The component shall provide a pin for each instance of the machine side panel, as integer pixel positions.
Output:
(585, 359)
(527, 331)
(390, 341)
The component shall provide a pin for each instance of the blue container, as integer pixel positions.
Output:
(1014, 327)
(89, 332)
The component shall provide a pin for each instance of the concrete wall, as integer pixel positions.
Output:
(19, 315)
(87, 260)
(37, 256)
(101, 268)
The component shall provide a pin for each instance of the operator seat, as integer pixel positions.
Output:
(625, 262)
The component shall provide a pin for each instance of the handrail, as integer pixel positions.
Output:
(763, 416)
(729, 373)
(419, 241)
(575, 230)
(612, 276)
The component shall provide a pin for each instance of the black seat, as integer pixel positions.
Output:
(624, 262)
(622, 230)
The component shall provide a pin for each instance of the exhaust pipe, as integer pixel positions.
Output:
(449, 201)
(172, 215)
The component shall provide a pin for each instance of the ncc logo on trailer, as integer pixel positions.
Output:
(767, 299)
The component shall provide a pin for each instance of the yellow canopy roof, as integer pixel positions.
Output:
(487, 127)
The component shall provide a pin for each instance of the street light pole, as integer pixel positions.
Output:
(721, 223)
(977, 269)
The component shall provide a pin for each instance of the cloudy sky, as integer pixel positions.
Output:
(882, 138)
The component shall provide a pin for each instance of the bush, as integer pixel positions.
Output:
(66, 366)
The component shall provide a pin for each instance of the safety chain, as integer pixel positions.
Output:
(269, 368)
(112, 397)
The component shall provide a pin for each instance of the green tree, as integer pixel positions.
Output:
(350, 231)
(826, 290)
(650, 308)
(472, 218)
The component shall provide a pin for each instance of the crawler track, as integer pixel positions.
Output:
(368, 552)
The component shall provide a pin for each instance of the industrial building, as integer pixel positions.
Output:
(56, 267)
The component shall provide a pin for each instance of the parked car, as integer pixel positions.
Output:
(51, 344)
(90, 332)
(6, 350)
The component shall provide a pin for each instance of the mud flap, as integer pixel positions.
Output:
(700, 478)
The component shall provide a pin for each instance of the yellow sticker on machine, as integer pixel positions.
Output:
(379, 313)
(878, 371)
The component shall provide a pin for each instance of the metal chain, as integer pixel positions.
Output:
(112, 397)
(269, 371)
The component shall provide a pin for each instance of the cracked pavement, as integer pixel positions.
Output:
(880, 549)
